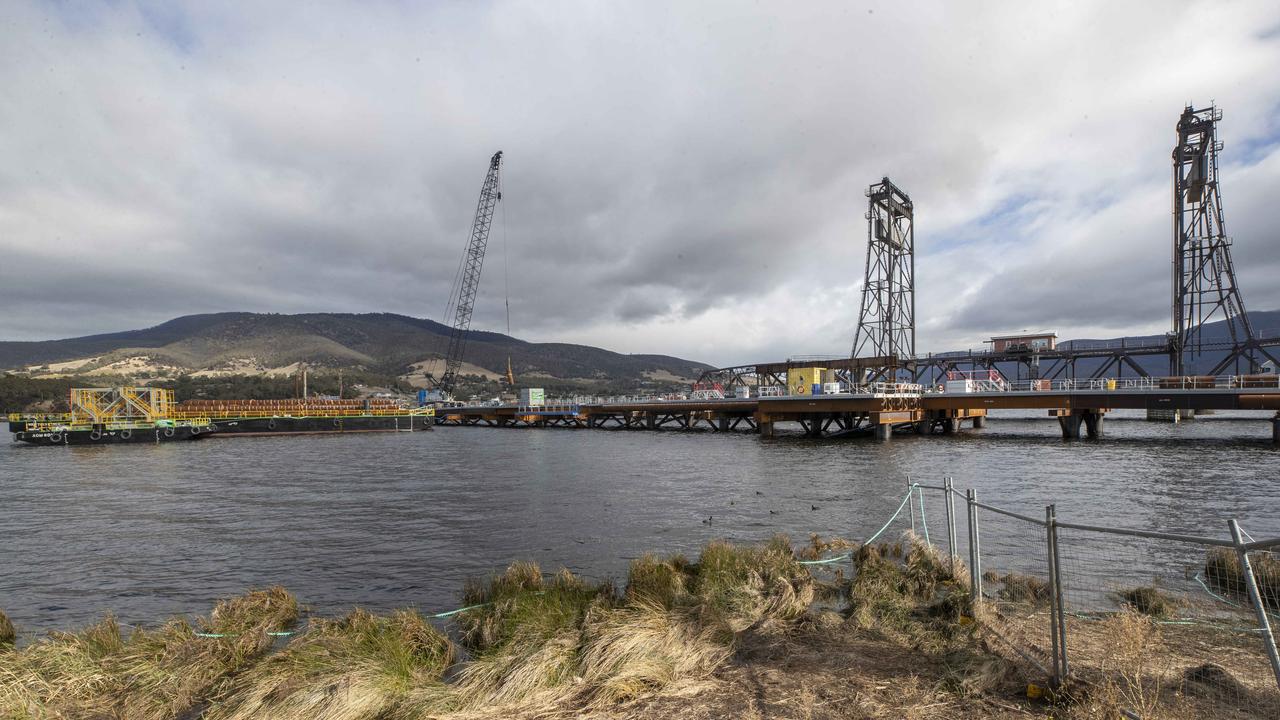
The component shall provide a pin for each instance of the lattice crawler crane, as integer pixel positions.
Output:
(468, 281)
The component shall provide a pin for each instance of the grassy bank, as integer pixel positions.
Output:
(737, 632)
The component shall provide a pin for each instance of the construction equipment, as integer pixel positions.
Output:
(467, 282)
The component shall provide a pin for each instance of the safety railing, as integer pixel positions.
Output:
(299, 412)
(1190, 382)
(550, 409)
(889, 388)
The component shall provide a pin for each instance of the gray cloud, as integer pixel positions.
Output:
(684, 179)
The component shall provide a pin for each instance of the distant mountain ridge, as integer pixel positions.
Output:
(381, 342)
(254, 343)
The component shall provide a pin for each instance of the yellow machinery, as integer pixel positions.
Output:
(800, 381)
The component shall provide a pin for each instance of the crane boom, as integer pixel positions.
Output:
(472, 262)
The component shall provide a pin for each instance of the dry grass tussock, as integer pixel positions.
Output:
(1019, 588)
(1223, 571)
(1148, 600)
(535, 643)
(1135, 672)
(360, 666)
(148, 674)
(907, 592)
(8, 636)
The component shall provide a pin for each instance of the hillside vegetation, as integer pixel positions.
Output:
(386, 345)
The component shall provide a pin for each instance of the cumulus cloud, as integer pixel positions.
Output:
(682, 178)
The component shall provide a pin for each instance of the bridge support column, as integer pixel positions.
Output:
(1275, 429)
(921, 427)
(765, 427)
(722, 423)
(1070, 424)
(979, 422)
(884, 432)
(1093, 423)
(950, 426)
(651, 421)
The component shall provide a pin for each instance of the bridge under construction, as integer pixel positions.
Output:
(881, 409)
(886, 386)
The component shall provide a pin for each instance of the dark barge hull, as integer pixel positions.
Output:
(107, 437)
(224, 427)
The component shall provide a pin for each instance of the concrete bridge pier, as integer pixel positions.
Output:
(883, 432)
(1073, 422)
(1093, 424)
(950, 426)
(1070, 425)
(651, 421)
(979, 422)
(765, 427)
(1275, 429)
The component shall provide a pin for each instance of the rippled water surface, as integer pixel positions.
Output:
(401, 519)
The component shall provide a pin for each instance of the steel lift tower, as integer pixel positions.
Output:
(1204, 279)
(468, 280)
(887, 320)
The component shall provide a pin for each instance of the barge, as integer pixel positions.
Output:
(304, 417)
(101, 416)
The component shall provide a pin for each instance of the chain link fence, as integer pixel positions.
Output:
(1142, 619)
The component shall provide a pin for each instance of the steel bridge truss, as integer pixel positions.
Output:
(1204, 279)
(886, 320)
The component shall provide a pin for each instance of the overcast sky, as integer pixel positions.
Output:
(683, 178)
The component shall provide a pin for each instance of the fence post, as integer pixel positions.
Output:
(1059, 602)
(975, 552)
(1056, 679)
(910, 508)
(1254, 596)
(951, 522)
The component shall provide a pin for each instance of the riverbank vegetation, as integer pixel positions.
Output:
(740, 631)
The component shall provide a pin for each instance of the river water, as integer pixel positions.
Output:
(402, 519)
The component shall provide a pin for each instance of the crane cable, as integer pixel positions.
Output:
(506, 275)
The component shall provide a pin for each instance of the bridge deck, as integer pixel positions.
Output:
(843, 413)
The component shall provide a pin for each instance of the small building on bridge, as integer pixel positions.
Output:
(1026, 342)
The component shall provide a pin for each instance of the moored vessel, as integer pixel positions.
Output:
(138, 414)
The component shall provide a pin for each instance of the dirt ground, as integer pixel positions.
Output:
(849, 674)
(840, 673)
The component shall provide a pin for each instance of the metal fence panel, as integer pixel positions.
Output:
(1162, 622)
